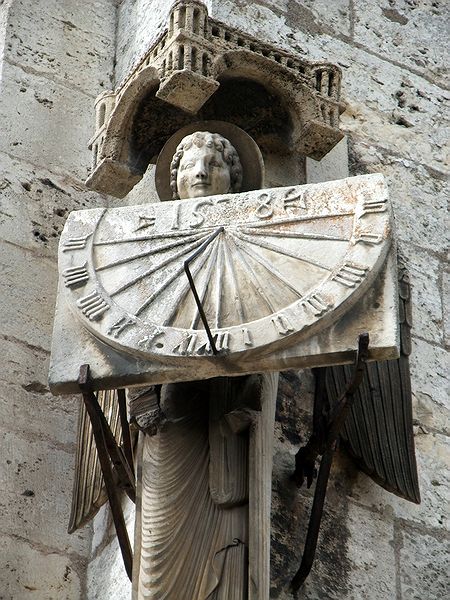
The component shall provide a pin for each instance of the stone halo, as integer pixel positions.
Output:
(248, 150)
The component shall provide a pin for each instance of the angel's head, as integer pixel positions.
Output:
(204, 164)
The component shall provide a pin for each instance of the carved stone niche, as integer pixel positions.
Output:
(201, 67)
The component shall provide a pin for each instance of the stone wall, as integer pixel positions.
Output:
(55, 57)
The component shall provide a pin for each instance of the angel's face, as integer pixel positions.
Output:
(202, 172)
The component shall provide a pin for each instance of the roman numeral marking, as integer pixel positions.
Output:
(373, 206)
(316, 304)
(76, 243)
(75, 276)
(221, 341)
(350, 275)
(187, 345)
(118, 327)
(93, 306)
(282, 324)
(247, 339)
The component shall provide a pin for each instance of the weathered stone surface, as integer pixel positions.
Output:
(44, 109)
(423, 561)
(419, 194)
(146, 20)
(434, 477)
(311, 16)
(37, 571)
(408, 33)
(106, 578)
(30, 321)
(429, 369)
(57, 40)
(28, 504)
(35, 203)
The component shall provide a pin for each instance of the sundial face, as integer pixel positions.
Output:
(270, 267)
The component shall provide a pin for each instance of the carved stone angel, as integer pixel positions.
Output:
(204, 492)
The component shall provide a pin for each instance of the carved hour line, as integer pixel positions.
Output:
(296, 235)
(270, 268)
(282, 324)
(170, 280)
(234, 292)
(163, 248)
(278, 250)
(156, 236)
(254, 279)
(160, 265)
(350, 275)
(145, 221)
(197, 266)
(299, 219)
(317, 304)
(93, 305)
(369, 238)
(246, 337)
(75, 276)
(120, 326)
(211, 264)
(219, 285)
(76, 243)
(373, 206)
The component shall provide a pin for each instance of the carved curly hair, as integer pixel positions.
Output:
(205, 138)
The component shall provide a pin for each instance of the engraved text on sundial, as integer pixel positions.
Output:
(284, 259)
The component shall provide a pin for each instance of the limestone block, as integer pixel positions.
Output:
(446, 300)
(429, 369)
(28, 284)
(371, 555)
(312, 16)
(103, 524)
(36, 571)
(423, 565)
(419, 194)
(424, 270)
(412, 124)
(106, 577)
(44, 122)
(36, 491)
(146, 19)
(72, 42)
(411, 33)
(432, 452)
(35, 203)
(27, 396)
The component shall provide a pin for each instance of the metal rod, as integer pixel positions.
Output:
(315, 520)
(323, 440)
(92, 408)
(126, 438)
(193, 256)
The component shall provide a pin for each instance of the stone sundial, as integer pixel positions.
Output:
(270, 267)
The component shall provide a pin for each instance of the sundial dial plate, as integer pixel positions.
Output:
(284, 263)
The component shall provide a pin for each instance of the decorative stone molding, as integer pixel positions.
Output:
(184, 68)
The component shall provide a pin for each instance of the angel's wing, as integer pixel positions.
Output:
(89, 492)
(378, 432)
